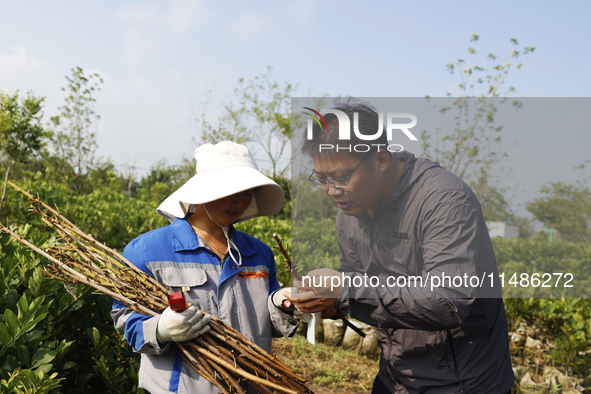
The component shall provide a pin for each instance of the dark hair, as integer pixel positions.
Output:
(368, 122)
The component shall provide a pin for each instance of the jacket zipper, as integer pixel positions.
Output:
(453, 355)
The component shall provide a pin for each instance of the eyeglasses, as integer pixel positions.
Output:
(339, 183)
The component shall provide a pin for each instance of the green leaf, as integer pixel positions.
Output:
(2, 279)
(69, 364)
(11, 298)
(37, 304)
(35, 281)
(43, 356)
(23, 309)
(11, 321)
(23, 354)
(10, 364)
(5, 336)
(33, 335)
(85, 378)
(44, 368)
(77, 305)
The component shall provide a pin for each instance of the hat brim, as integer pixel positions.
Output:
(216, 184)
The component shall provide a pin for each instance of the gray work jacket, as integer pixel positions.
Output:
(432, 340)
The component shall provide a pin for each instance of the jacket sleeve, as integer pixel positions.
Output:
(284, 324)
(449, 234)
(139, 329)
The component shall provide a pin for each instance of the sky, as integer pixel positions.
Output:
(162, 60)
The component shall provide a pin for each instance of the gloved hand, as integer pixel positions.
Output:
(281, 301)
(183, 326)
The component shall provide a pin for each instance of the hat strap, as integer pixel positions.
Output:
(230, 245)
(230, 242)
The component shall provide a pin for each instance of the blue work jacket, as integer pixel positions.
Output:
(239, 295)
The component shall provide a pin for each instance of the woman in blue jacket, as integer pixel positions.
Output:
(223, 272)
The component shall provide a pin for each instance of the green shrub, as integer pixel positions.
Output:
(55, 335)
(565, 321)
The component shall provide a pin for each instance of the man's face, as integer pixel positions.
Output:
(363, 190)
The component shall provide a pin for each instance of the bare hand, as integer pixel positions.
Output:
(317, 291)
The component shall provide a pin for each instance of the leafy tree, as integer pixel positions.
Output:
(76, 138)
(310, 202)
(285, 212)
(229, 126)
(104, 175)
(163, 179)
(267, 104)
(474, 149)
(316, 245)
(261, 114)
(21, 133)
(566, 208)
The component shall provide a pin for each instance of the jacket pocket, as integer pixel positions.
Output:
(187, 277)
(176, 275)
(192, 279)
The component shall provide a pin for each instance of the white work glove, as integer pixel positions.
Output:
(279, 300)
(182, 327)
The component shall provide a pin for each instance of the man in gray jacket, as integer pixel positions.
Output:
(417, 231)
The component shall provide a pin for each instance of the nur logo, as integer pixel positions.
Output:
(316, 117)
(392, 123)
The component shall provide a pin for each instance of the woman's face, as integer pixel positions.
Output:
(226, 210)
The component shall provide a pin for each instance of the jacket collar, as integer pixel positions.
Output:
(184, 238)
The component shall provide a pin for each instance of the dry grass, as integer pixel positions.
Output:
(327, 369)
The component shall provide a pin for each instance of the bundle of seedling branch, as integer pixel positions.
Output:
(223, 356)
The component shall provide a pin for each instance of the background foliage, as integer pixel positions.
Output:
(60, 338)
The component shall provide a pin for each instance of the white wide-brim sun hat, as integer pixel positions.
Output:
(222, 170)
